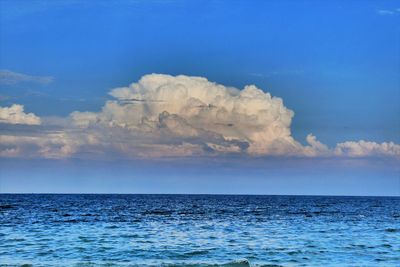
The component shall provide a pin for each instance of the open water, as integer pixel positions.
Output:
(198, 230)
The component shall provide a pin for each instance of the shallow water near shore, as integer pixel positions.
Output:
(198, 230)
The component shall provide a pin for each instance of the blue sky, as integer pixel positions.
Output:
(294, 177)
(336, 64)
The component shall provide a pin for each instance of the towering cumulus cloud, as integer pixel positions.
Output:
(192, 109)
(163, 115)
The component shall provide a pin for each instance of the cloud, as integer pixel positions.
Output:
(4, 97)
(388, 12)
(10, 78)
(48, 145)
(385, 12)
(180, 116)
(364, 149)
(283, 72)
(16, 115)
(315, 147)
(194, 108)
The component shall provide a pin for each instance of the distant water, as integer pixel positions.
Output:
(198, 230)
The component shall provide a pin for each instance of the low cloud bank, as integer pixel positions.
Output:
(167, 116)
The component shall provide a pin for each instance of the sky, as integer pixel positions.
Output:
(242, 97)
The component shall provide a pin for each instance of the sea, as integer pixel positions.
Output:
(198, 230)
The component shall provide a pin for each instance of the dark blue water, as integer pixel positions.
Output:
(198, 230)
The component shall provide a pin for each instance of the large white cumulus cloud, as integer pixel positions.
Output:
(193, 107)
(163, 115)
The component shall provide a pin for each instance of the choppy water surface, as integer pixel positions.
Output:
(198, 230)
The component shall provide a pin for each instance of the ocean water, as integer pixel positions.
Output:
(198, 230)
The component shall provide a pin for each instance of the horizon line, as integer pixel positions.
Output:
(198, 194)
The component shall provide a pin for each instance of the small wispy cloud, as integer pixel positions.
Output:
(277, 73)
(389, 12)
(10, 78)
(4, 97)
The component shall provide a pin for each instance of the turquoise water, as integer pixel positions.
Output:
(198, 230)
